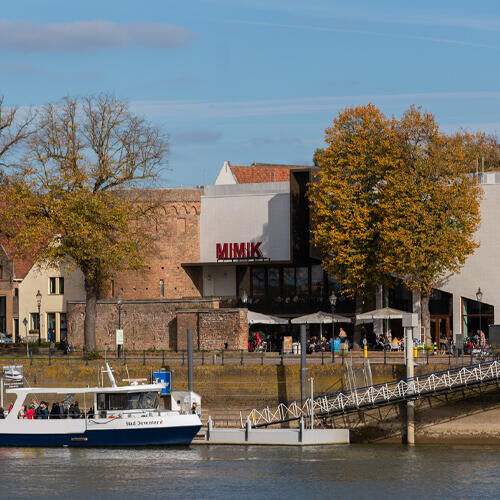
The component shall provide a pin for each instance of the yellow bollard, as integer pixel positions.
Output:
(415, 352)
(366, 351)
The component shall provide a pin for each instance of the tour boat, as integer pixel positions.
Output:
(120, 416)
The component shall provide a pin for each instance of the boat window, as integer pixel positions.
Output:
(128, 401)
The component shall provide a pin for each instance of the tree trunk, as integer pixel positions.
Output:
(356, 340)
(90, 315)
(426, 318)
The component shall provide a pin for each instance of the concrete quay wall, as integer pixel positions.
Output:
(469, 417)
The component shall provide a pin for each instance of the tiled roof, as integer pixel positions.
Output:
(21, 265)
(262, 172)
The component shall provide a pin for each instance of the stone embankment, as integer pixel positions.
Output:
(469, 417)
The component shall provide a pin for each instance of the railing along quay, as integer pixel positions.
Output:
(376, 395)
(221, 358)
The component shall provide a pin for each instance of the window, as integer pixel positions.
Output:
(302, 277)
(34, 321)
(258, 281)
(316, 280)
(289, 281)
(3, 313)
(1, 272)
(162, 288)
(56, 286)
(273, 281)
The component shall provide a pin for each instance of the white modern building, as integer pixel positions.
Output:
(255, 245)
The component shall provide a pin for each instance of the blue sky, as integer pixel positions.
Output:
(256, 80)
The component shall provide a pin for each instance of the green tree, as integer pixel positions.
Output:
(430, 206)
(71, 196)
(344, 199)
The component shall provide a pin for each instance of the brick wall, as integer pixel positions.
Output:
(148, 324)
(214, 329)
(177, 234)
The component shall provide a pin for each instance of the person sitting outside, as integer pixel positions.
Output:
(395, 344)
(20, 415)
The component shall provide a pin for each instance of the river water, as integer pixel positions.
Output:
(199, 472)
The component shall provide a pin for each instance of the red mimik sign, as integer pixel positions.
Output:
(245, 250)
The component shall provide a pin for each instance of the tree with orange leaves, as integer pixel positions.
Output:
(394, 199)
(429, 205)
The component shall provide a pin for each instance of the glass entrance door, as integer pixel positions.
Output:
(440, 331)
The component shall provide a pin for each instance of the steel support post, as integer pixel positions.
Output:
(303, 369)
(410, 373)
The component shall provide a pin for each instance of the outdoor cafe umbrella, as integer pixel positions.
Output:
(384, 313)
(320, 318)
(255, 318)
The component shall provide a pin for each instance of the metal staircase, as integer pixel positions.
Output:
(379, 395)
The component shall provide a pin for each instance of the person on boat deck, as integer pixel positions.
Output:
(21, 412)
(30, 413)
(2, 413)
(54, 412)
(74, 411)
(43, 411)
(10, 407)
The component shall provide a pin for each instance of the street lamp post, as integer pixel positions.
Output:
(39, 304)
(333, 301)
(119, 302)
(479, 297)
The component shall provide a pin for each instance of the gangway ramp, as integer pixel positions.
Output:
(376, 396)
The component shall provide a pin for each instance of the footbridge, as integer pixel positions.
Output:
(375, 396)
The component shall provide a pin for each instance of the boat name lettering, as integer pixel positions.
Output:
(148, 422)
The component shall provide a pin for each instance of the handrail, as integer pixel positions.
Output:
(378, 394)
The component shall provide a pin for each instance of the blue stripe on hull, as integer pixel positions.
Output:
(171, 436)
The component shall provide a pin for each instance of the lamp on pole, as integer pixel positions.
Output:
(39, 304)
(119, 302)
(479, 297)
(333, 301)
(244, 297)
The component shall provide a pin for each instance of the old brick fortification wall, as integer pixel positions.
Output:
(177, 234)
(147, 324)
(214, 329)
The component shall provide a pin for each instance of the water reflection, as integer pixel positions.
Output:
(358, 471)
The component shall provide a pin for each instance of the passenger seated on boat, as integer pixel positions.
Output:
(30, 413)
(21, 413)
(90, 413)
(2, 413)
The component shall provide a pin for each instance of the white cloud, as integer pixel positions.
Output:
(27, 36)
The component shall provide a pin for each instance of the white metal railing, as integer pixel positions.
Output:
(375, 395)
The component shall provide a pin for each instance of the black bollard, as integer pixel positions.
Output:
(163, 357)
(241, 359)
(385, 356)
(262, 358)
(86, 358)
(202, 358)
(183, 358)
(144, 357)
(222, 358)
(50, 356)
(322, 358)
